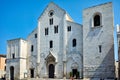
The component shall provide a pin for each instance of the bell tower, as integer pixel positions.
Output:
(98, 42)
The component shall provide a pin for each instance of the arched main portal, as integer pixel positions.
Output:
(50, 64)
(51, 71)
(11, 73)
(75, 72)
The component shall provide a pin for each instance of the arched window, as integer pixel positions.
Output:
(97, 20)
(51, 44)
(74, 43)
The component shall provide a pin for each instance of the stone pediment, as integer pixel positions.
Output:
(51, 6)
(50, 58)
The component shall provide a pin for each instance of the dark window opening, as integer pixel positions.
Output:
(5, 68)
(96, 20)
(74, 42)
(56, 29)
(100, 48)
(51, 21)
(51, 13)
(5, 60)
(119, 44)
(32, 73)
(32, 48)
(51, 44)
(69, 28)
(46, 31)
(13, 55)
(36, 35)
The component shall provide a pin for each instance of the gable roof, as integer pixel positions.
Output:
(49, 56)
(53, 4)
(3, 55)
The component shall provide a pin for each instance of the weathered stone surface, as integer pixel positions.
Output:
(77, 49)
(18, 47)
(98, 64)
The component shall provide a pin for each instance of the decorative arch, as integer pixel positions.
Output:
(74, 65)
(50, 64)
(97, 19)
(50, 58)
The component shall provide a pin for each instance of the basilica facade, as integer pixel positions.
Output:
(61, 48)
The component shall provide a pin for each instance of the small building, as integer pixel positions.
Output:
(2, 65)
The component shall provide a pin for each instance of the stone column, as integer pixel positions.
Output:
(56, 71)
(46, 72)
(64, 69)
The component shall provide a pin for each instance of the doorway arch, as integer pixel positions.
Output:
(50, 65)
(51, 71)
(11, 73)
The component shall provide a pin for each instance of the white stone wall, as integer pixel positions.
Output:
(60, 40)
(19, 48)
(32, 55)
(84, 55)
(15, 63)
(13, 47)
(98, 64)
(75, 33)
(74, 54)
(57, 39)
(23, 57)
(2, 73)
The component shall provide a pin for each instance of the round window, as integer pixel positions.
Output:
(51, 13)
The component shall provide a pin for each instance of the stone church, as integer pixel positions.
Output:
(61, 48)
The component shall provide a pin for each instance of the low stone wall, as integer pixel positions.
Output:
(2, 73)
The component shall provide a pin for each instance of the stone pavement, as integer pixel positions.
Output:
(63, 79)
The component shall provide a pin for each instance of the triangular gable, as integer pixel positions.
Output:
(55, 5)
(50, 4)
(50, 56)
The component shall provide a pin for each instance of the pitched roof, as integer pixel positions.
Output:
(2, 55)
(53, 4)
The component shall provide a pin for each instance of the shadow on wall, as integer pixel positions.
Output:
(107, 68)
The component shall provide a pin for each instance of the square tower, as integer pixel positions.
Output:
(16, 59)
(98, 42)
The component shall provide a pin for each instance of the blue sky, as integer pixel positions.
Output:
(19, 17)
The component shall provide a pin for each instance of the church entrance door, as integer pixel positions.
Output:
(11, 73)
(74, 71)
(51, 71)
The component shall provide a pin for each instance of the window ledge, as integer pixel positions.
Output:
(93, 27)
